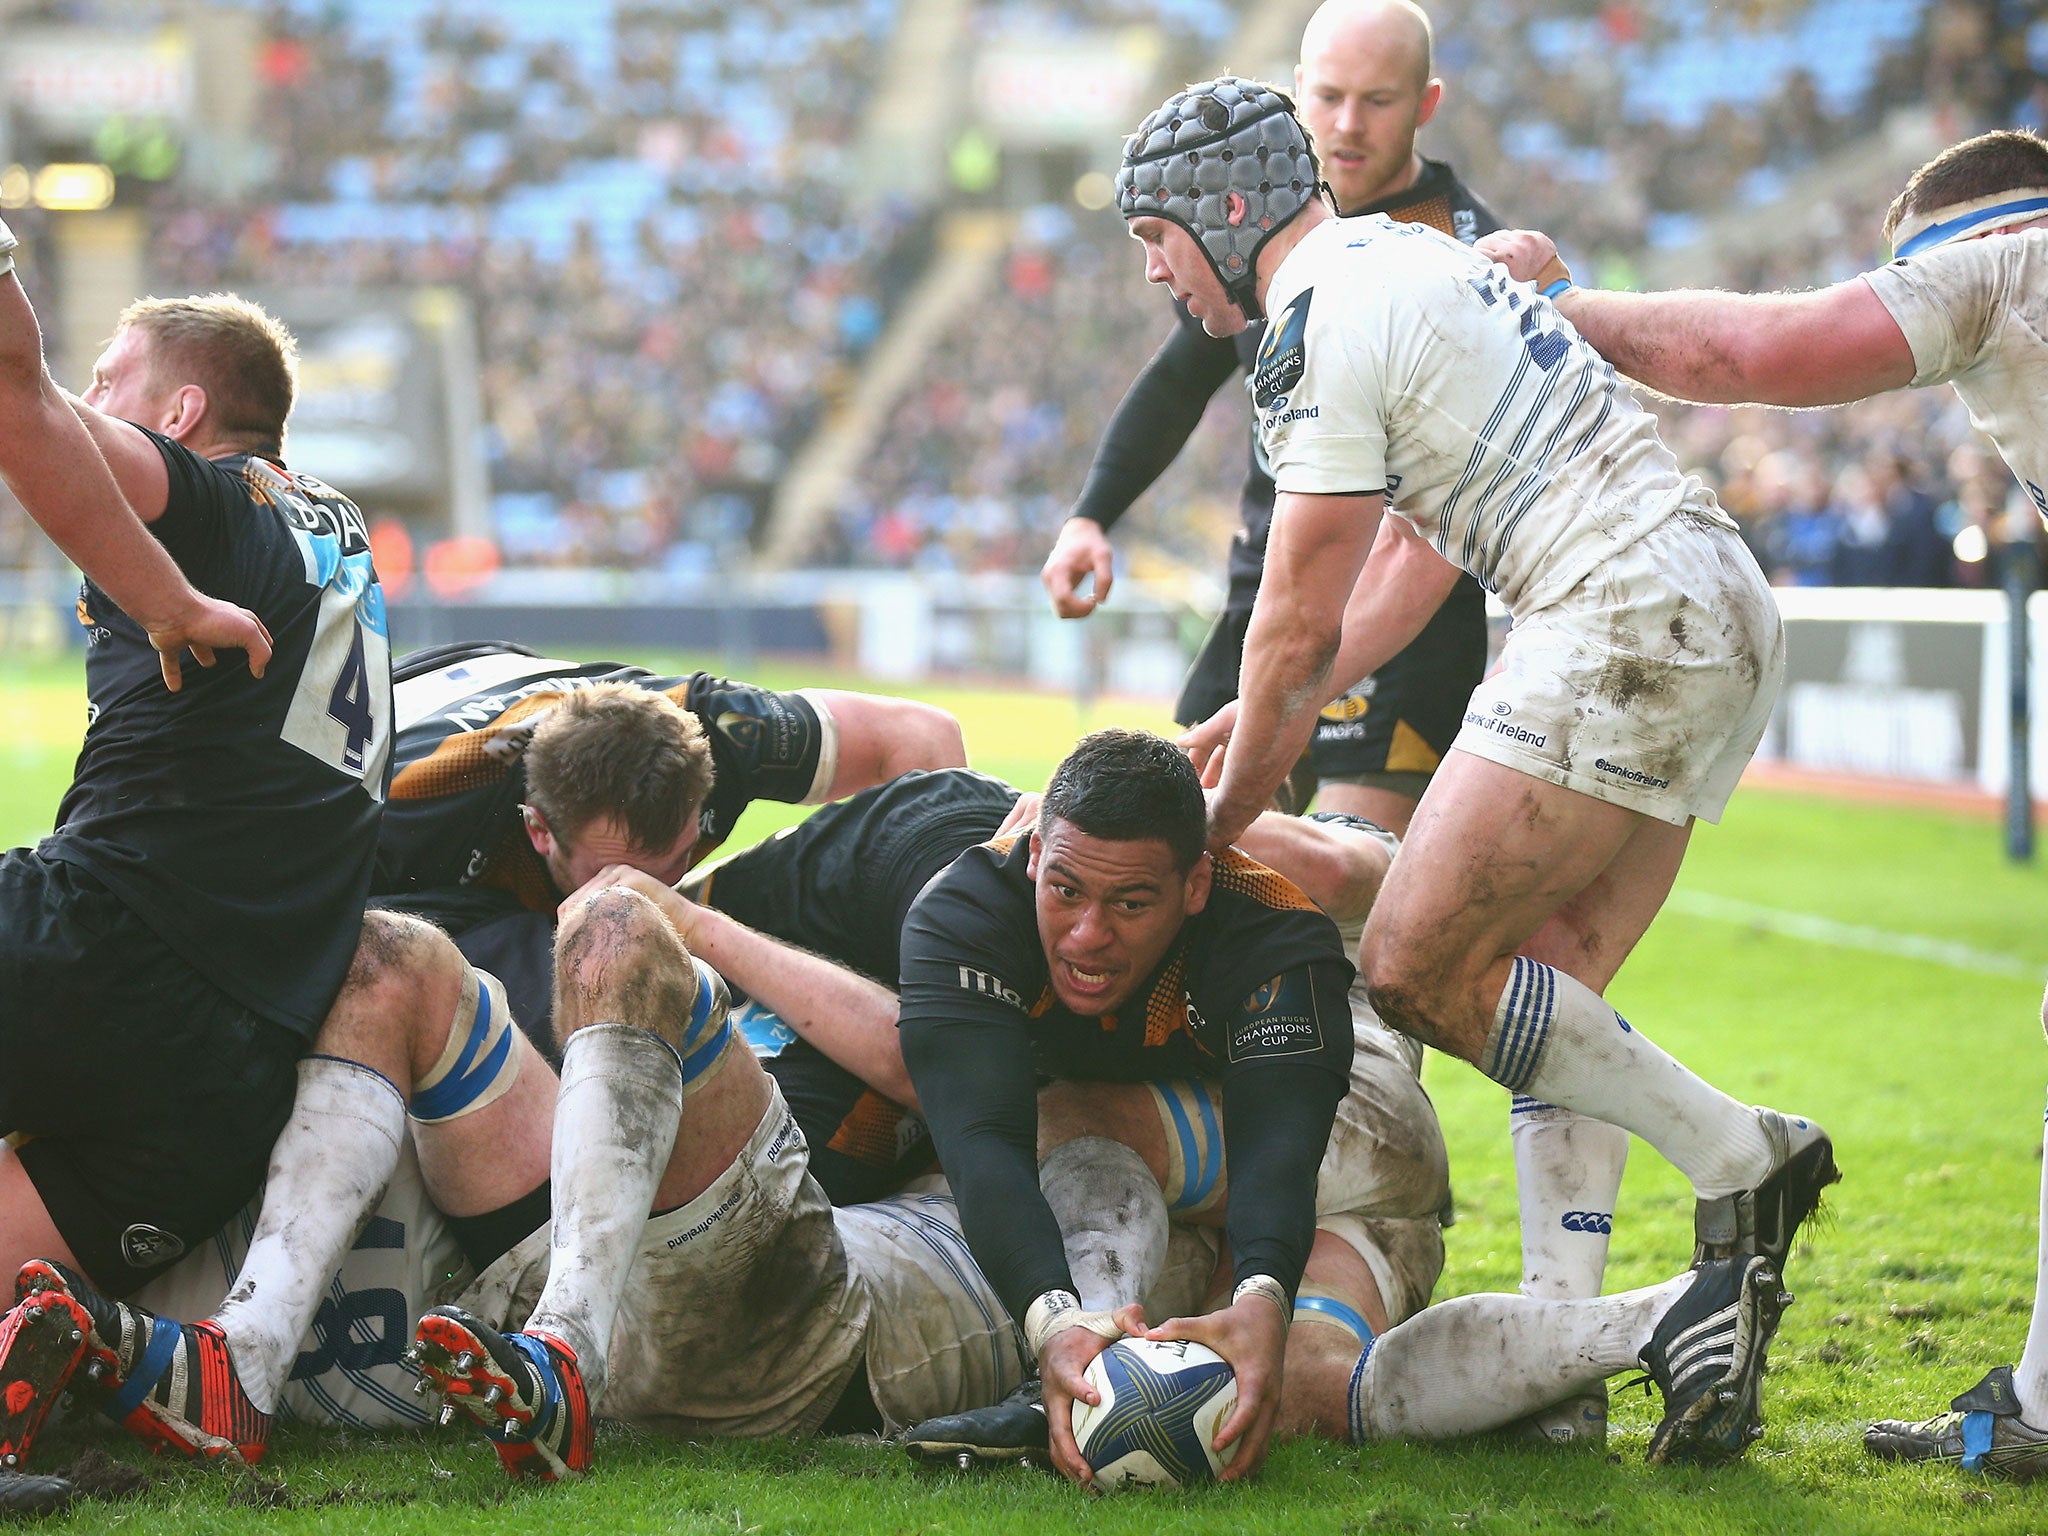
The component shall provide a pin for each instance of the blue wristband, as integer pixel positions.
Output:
(1562, 285)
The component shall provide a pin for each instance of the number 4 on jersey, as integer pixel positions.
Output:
(350, 703)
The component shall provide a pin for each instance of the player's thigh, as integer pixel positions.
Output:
(1386, 1155)
(143, 1098)
(938, 1340)
(1590, 936)
(739, 1316)
(1491, 854)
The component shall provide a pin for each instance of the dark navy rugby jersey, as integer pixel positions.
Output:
(1252, 992)
(466, 715)
(238, 816)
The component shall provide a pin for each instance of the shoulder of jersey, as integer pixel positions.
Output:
(1239, 874)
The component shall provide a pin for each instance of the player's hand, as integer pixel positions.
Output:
(1205, 743)
(1226, 822)
(681, 912)
(205, 625)
(1063, 1374)
(1529, 255)
(1023, 815)
(1252, 1336)
(1081, 550)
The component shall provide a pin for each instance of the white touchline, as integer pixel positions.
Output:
(1825, 930)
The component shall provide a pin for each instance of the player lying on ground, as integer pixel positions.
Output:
(758, 1219)
(1634, 686)
(596, 1281)
(324, 1346)
(1965, 301)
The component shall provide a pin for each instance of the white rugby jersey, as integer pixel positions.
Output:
(1396, 359)
(1975, 314)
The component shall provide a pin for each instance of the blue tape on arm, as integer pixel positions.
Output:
(1562, 285)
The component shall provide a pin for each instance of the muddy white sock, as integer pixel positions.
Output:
(1475, 1363)
(1567, 1174)
(1112, 1215)
(616, 1114)
(2030, 1377)
(328, 1170)
(1554, 1039)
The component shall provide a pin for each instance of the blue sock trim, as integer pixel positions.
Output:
(1351, 1397)
(1337, 1312)
(1976, 1440)
(550, 1392)
(164, 1338)
(1524, 1027)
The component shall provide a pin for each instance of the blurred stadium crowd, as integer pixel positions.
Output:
(647, 204)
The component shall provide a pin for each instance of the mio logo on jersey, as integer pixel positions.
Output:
(1278, 1019)
(1282, 355)
(972, 980)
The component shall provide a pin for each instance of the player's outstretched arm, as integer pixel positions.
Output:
(1152, 423)
(880, 737)
(58, 473)
(1313, 557)
(1827, 347)
(847, 1016)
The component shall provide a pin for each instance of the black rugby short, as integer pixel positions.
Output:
(143, 1099)
(1392, 730)
(840, 882)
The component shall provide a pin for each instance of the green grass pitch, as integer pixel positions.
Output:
(1930, 1075)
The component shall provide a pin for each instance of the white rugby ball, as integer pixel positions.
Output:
(1162, 1403)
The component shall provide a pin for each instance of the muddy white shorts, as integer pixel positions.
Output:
(740, 1316)
(1647, 686)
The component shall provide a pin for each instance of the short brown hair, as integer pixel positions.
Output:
(619, 750)
(2000, 161)
(235, 350)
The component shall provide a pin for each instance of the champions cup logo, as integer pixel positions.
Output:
(1264, 996)
(740, 730)
(1282, 355)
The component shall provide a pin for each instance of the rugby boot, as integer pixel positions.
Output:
(1706, 1355)
(24, 1494)
(1764, 1220)
(171, 1385)
(1578, 1420)
(524, 1389)
(1981, 1432)
(41, 1343)
(1012, 1431)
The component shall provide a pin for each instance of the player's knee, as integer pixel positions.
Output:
(1406, 994)
(400, 957)
(938, 737)
(617, 956)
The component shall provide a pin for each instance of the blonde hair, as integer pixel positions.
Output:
(235, 350)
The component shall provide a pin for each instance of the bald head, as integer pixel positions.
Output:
(1364, 88)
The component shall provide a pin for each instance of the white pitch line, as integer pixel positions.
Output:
(1825, 930)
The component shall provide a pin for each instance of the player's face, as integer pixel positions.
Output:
(1108, 911)
(574, 861)
(1176, 262)
(121, 383)
(1361, 94)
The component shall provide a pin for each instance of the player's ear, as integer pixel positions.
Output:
(1432, 98)
(538, 832)
(187, 409)
(1195, 894)
(1038, 849)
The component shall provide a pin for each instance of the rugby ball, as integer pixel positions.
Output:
(1162, 1403)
